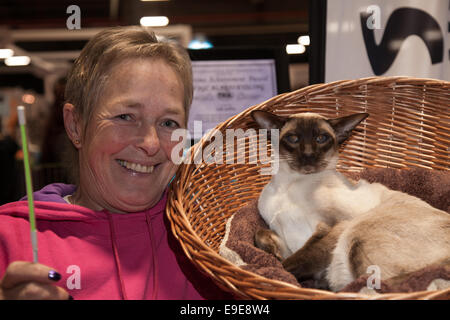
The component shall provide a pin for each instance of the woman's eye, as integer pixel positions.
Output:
(170, 124)
(292, 138)
(125, 117)
(321, 138)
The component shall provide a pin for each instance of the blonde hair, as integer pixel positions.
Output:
(92, 68)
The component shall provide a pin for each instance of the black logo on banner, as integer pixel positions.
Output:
(402, 23)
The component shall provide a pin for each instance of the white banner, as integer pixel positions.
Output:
(387, 38)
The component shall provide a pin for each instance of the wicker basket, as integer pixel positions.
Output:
(409, 126)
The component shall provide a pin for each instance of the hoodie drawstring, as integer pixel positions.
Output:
(116, 257)
(155, 271)
(117, 261)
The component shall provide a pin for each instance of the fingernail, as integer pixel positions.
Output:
(53, 275)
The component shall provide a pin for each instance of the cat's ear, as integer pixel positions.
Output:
(343, 126)
(267, 120)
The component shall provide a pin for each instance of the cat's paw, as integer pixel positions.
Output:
(268, 241)
(291, 264)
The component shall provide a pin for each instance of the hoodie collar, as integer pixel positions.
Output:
(54, 207)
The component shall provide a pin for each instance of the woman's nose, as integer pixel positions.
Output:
(149, 140)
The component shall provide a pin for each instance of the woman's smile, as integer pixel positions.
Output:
(136, 167)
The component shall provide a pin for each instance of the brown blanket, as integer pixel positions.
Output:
(430, 185)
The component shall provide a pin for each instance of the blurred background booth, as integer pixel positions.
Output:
(243, 53)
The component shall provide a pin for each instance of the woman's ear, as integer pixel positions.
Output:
(72, 124)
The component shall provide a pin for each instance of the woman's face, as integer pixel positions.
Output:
(125, 163)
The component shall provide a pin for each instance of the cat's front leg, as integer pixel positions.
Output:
(311, 260)
(270, 242)
(313, 257)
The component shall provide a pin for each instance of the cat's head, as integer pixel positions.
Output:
(309, 142)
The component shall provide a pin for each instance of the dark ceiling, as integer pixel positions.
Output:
(224, 22)
(199, 13)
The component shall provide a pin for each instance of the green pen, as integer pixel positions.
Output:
(28, 182)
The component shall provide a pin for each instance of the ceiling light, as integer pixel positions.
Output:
(28, 98)
(6, 53)
(198, 44)
(17, 61)
(295, 48)
(304, 40)
(155, 21)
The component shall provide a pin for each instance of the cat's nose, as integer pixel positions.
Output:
(308, 150)
(309, 159)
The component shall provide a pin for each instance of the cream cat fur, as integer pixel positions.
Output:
(326, 226)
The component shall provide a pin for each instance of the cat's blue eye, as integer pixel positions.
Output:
(322, 138)
(292, 138)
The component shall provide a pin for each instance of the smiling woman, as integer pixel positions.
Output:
(124, 154)
(125, 96)
(97, 64)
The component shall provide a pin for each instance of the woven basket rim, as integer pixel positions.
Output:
(293, 292)
(342, 83)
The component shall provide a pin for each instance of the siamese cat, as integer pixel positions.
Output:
(326, 227)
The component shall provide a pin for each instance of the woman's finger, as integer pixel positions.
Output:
(24, 271)
(35, 291)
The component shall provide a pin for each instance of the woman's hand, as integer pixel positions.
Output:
(31, 281)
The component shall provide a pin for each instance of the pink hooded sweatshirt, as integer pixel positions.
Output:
(101, 255)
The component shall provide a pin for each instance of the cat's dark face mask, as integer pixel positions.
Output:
(309, 142)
